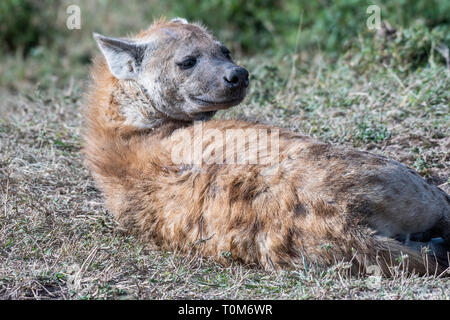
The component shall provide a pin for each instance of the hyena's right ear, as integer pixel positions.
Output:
(179, 20)
(124, 57)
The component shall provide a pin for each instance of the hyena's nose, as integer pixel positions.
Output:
(236, 77)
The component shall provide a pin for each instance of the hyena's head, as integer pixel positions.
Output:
(185, 73)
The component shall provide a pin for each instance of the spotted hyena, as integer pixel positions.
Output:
(310, 203)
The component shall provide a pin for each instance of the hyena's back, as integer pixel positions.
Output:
(316, 203)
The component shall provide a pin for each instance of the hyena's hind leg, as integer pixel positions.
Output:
(441, 229)
(443, 226)
(436, 240)
(399, 204)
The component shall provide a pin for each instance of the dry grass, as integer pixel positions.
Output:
(58, 242)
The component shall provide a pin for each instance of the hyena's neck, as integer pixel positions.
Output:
(122, 130)
(120, 108)
(135, 107)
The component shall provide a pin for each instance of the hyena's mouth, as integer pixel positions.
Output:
(211, 105)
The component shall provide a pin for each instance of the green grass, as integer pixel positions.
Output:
(57, 241)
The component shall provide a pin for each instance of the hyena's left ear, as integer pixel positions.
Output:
(124, 57)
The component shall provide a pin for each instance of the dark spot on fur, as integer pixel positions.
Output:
(236, 223)
(299, 210)
(286, 248)
(374, 179)
(130, 66)
(189, 225)
(214, 190)
(318, 150)
(255, 228)
(243, 188)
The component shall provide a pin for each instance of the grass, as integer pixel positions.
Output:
(57, 241)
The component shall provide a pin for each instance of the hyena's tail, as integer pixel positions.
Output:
(421, 258)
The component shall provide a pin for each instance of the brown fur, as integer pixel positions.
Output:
(321, 205)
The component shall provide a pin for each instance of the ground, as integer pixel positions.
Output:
(57, 241)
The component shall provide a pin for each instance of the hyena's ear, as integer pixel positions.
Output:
(179, 20)
(124, 57)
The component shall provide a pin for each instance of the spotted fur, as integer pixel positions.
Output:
(320, 204)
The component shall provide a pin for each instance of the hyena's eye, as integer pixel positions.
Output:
(226, 52)
(187, 63)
